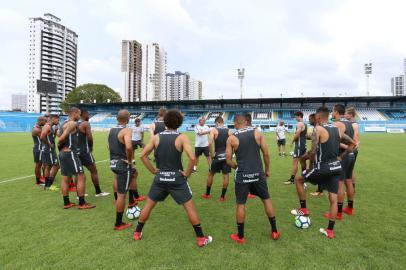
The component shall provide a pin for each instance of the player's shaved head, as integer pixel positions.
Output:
(248, 118)
(339, 108)
(323, 113)
(240, 121)
(123, 116)
(73, 110)
(42, 120)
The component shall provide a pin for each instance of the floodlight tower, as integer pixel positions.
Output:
(241, 76)
(368, 72)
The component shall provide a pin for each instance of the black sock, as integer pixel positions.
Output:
(223, 192)
(302, 203)
(82, 200)
(319, 189)
(140, 225)
(46, 182)
(135, 193)
(198, 230)
(331, 225)
(340, 207)
(66, 200)
(272, 220)
(97, 188)
(119, 218)
(51, 181)
(292, 178)
(240, 229)
(115, 196)
(208, 190)
(350, 204)
(37, 180)
(130, 196)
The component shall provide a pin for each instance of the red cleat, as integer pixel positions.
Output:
(70, 205)
(250, 196)
(135, 203)
(122, 226)
(338, 217)
(205, 196)
(276, 235)
(222, 199)
(86, 206)
(137, 236)
(348, 211)
(140, 198)
(237, 239)
(328, 233)
(42, 179)
(204, 241)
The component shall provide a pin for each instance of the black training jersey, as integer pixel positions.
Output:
(37, 141)
(117, 148)
(83, 143)
(301, 141)
(159, 127)
(167, 157)
(349, 130)
(50, 138)
(329, 150)
(248, 152)
(72, 141)
(221, 140)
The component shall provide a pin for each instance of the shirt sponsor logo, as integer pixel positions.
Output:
(250, 177)
(167, 176)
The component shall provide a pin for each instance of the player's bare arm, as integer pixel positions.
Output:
(232, 143)
(89, 135)
(127, 134)
(264, 150)
(187, 148)
(68, 128)
(212, 136)
(311, 154)
(298, 131)
(145, 153)
(45, 131)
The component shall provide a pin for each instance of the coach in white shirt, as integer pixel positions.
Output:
(202, 142)
(280, 137)
(137, 134)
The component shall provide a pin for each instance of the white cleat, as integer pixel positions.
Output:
(77, 197)
(102, 194)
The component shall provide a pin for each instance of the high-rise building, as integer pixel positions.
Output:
(131, 66)
(52, 57)
(177, 86)
(19, 102)
(195, 90)
(153, 85)
(398, 85)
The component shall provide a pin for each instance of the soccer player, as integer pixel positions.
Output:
(170, 176)
(248, 120)
(299, 139)
(218, 138)
(85, 149)
(250, 175)
(350, 116)
(70, 162)
(137, 134)
(313, 122)
(49, 157)
(347, 162)
(158, 126)
(36, 150)
(281, 138)
(202, 142)
(121, 163)
(327, 167)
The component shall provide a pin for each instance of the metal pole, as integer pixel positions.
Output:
(241, 88)
(367, 84)
(47, 102)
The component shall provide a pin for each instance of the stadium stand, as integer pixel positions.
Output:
(370, 114)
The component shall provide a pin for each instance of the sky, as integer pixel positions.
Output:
(289, 48)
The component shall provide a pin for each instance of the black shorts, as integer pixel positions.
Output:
(326, 175)
(347, 164)
(299, 151)
(70, 163)
(137, 144)
(258, 186)
(124, 173)
(217, 166)
(37, 156)
(172, 183)
(86, 158)
(202, 150)
(281, 142)
(49, 157)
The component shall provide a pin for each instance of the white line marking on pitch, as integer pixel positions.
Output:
(28, 176)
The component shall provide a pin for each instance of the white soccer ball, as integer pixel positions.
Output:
(133, 212)
(302, 222)
(291, 153)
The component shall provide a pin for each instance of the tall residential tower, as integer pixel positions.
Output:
(131, 66)
(153, 83)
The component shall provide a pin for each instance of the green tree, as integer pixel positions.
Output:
(88, 93)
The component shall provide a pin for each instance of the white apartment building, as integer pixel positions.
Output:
(153, 85)
(398, 85)
(52, 57)
(19, 102)
(131, 66)
(177, 86)
(195, 89)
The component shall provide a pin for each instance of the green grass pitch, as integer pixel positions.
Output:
(36, 233)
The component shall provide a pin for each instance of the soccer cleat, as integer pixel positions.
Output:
(289, 182)
(251, 196)
(348, 210)
(205, 196)
(72, 189)
(204, 241)
(300, 212)
(77, 197)
(338, 217)
(222, 199)
(276, 235)
(53, 188)
(102, 194)
(326, 232)
(140, 198)
(86, 206)
(237, 239)
(135, 203)
(42, 179)
(122, 226)
(70, 205)
(137, 236)
(316, 193)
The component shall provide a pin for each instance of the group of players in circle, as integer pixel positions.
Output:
(332, 158)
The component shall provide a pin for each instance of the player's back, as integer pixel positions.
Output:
(167, 157)
(248, 151)
(221, 140)
(72, 141)
(330, 149)
(116, 148)
(301, 142)
(159, 126)
(83, 143)
(36, 140)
